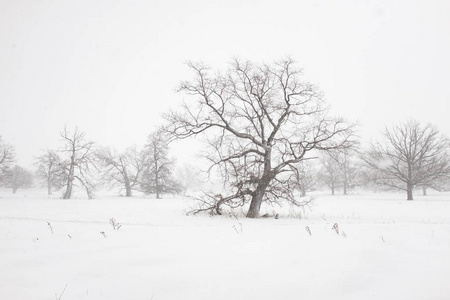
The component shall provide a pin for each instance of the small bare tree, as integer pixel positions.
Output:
(348, 167)
(157, 177)
(18, 177)
(7, 158)
(49, 171)
(330, 172)
(79, 163)
(121, 169)
(262, 121)
(305, 177)
(189, 177)
(411, 155)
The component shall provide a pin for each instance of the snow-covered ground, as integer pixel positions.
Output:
(387, 248)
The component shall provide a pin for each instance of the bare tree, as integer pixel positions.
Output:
(441, 184)
(7, 158)
(79, 163)
(49, 171)
(346, 161)
(188, 176)
(409, 156)
(261, 121)
(157, 177)
(18, 177)
(330, 172)
(122, 169)
(305, 177)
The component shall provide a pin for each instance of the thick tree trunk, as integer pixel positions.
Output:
(424, 190)
(128, 191)
(409, 191)
(69, 186)
(127, 186)
(258, 195)
(332, 189)
(49, 189)
(302, 192)
(14, 190)
(255, 204)
(345, 188)
(126, 182)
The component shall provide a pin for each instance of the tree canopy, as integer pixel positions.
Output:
(260, 121)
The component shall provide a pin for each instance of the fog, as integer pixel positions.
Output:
(111, 68)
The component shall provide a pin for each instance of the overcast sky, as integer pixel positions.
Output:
(111, 67)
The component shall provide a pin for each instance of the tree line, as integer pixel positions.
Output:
(80, 163)
(265, 128)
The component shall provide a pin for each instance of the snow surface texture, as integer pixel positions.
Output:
(387, 248)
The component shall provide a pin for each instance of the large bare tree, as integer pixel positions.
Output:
(7, 158)
(122, 169)
(79, 162)
(260, 120)
(410, 155)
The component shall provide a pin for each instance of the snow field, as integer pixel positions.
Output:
(390, 249)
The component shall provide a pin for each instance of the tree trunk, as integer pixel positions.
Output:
(127, 186)
(409, 185)
(302, 191)
(14, 190)
(49, 189)
(258, 195)
(158, 196)
(409, 191)
(68, 192)
(345, 187)
(255, 204)
(424, 190)
(126, 182)
(128, 191)
(70, 178)
(332, 189)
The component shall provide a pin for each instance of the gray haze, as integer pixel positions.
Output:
(111, 67)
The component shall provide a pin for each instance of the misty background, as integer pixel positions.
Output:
(111, 68)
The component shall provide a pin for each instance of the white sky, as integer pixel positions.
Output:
(111, 67)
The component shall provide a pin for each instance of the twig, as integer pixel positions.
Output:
(308, 230)
(56, 295)
(50, 225)
(336, 228)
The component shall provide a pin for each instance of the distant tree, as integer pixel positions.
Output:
(330, 173)
(305, 177)
(121, 169)
(7, 158)
(49, 171)
(18, 177)
(410, 156)
(346, 160)
(441, 184)
(262, 121)
(188, 176)
(157, 177)
(78, 162)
